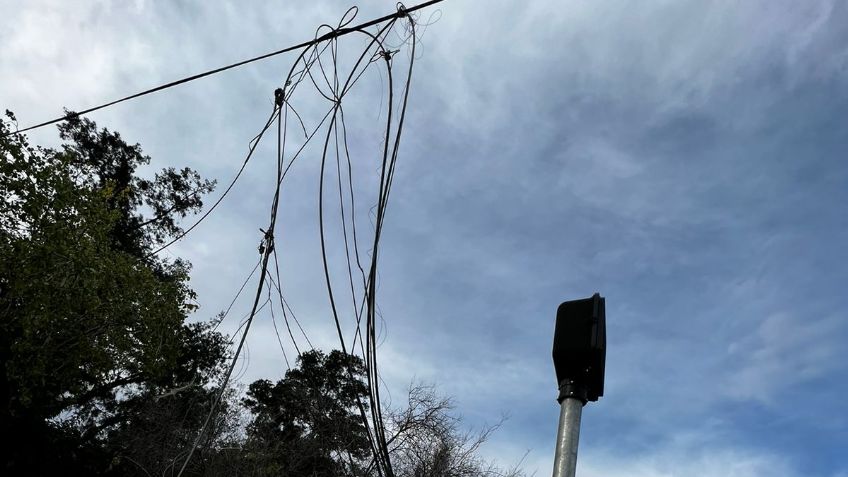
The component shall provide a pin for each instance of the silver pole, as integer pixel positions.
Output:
(565, 459)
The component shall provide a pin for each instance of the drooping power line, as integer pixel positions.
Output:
(327, 36)
(375, 428)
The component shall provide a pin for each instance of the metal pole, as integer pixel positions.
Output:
(565, 459)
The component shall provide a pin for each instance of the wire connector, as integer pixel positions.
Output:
(401, 10)
(279, 97)
(387, 55)
(266, 242)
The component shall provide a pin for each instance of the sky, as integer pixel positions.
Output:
(685, 159)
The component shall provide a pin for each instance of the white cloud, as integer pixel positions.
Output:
(702, 462)
(700, 452)
(525, 122)
(785, 351)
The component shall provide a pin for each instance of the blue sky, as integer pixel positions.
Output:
(685, 159)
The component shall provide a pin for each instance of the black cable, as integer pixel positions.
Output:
(276, 331)
(281, 148)
(253, 144)
(374, 440)
(332, 34)
(377, 434)
(381, 454)
(268, 243)
(344, 221)
(281, 153)
(345, 89)
(283, 306)
(357, 334)
(266, 248)
(244, 284)
(244, 318)
(381, 211)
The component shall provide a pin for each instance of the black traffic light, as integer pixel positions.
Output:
(580, 348)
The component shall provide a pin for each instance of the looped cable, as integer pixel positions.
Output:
(345, 21)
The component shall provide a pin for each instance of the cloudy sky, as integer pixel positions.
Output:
(687, 159)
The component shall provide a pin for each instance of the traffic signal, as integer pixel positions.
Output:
(580, 345)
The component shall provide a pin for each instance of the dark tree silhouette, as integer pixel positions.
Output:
(308, 423)
(92, 328)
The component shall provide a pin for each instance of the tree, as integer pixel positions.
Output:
(427, 440)
(164, 421)
(100, 374)
(92, 326)
(308, 423)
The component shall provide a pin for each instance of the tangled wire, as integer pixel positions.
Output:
(318, 66)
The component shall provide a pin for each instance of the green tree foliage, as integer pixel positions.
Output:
(91, 326)
(308, 423)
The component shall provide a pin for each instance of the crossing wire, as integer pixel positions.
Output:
(332, 34)
(337, 90)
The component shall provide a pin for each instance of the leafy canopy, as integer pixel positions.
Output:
(91, 324)
(308, 423)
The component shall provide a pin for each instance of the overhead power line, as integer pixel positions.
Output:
(328, 36)
(376, 53)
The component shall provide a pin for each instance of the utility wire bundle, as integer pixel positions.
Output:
(312, 65)
(317, 66)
